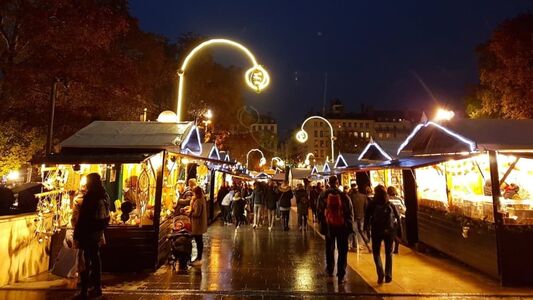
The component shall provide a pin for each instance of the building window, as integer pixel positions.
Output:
(321, 133)
(356, 134)
(316, 133)
(367, 134)
(380, 135)
(388, 135)
(367, 125)
(321, 143)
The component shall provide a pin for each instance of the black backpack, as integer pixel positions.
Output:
(383, 218)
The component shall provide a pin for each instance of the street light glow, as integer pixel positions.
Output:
(262, 161)
(256, 77)
(444, 115)
(302, 136)
(13, 175)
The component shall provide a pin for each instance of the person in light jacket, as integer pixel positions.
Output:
(198, 214)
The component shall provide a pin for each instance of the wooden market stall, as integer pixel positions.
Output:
(144, 167)
(461, 212)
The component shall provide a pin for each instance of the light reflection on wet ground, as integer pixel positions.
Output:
(240, 263)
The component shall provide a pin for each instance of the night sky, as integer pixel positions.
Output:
(389, 54)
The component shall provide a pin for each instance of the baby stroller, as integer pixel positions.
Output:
(180, 242)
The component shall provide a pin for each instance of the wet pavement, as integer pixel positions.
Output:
(237, 263)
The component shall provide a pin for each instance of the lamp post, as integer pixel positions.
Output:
(262, 161)
(256, 77)
(302, 136)
(279, 162)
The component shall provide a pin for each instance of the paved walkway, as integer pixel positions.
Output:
(259, 264)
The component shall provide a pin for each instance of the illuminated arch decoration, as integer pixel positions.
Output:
(262, 161)
(314, 170)
(256, 77)
(302, 136)
(192, 142)
(374, 145)
(340, 162)
(422, 135)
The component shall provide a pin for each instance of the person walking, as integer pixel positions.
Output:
(302, 206)
(258, 200)
(88, 235)
(359, 202)
(238, 209)
(395, 199)
(335, 215)
(272, 196)
(382, 217)
(315, 193)
(198, 214)
(285, 204)
(225, 206)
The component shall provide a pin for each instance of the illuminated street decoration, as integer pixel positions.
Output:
(192, 139)
(262, 161)
(444, 115)
(302, 136)
(257, 78)
(307, 160)
(279, 162)
(373, 143)
(167, 116)
(471, 144)
(326, 168)
(340, 159)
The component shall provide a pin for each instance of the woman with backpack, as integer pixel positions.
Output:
(384, 220)
(89, 234)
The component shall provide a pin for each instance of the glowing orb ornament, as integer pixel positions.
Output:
(262, 161)
(257, 78)
(302, 136)
(167, 116)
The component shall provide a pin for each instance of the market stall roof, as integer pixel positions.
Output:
(278, 177)
(379, 150)
(315, 169)
(210, 150)
(180, 137)
(346, 159)
(408, 162)
(465, 135)
(300, 173)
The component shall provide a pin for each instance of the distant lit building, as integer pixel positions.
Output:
(357, 128)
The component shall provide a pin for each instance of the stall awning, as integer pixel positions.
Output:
(300, 173)
(407, 163)
(94, 158)
(176, 137)
(279, 177)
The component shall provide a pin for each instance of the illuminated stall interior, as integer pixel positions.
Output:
(144, 167)
(457, 198)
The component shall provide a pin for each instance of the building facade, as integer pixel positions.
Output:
(354, 130)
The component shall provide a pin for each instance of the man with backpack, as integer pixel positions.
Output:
(383, 219)
(335, 216)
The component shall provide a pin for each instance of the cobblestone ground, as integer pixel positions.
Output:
(243, 263)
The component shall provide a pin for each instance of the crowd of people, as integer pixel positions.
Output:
(351, 218)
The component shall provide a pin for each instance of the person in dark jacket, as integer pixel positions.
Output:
(334, 232)
(285, 204)
(313, 197)
(383, 218)
(272, 196)
(89, 234)
(302, 205)
(238, 209)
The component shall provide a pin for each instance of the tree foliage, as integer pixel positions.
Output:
(18, 143)
(505, 72)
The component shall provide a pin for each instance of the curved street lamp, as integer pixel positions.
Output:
(307, 162)
(256, 77)
(279, 162)
(302, 136)
(262, 161)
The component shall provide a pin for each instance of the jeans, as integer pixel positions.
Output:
(271, 217)
(302, 218)
(285, 218)
(199, 245)
(258, 208)
(93, 267)
(342, 249)
(226, 213)
(359, 231)
(377, 238)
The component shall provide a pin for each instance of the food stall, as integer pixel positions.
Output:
(460, 211)
(144, 167)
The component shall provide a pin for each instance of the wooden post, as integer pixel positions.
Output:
(496, 193)
(411, 204)
(157, 206)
